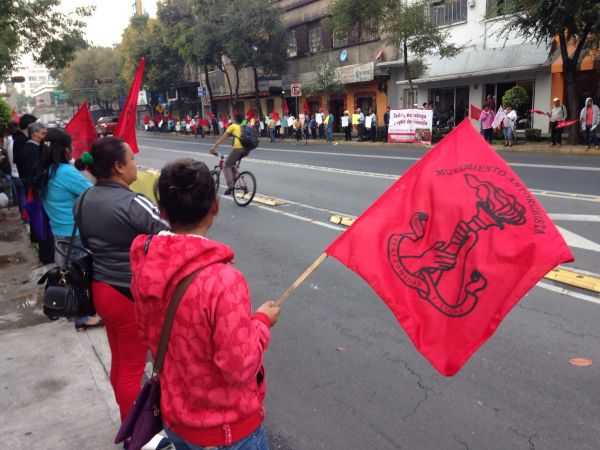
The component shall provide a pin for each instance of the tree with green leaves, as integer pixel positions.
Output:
(5, 116)
(575, 24)
(91, 69)
(36, 27)
(404, 25)
(327, 79)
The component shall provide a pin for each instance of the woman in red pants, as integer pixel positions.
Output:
(112, 216)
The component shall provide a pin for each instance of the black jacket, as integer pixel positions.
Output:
(26, 157)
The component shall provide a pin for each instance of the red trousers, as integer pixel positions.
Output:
(128, 352)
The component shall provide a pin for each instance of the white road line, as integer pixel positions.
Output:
(575, 217)
(560, 290)
(406, 158)
(577, 241)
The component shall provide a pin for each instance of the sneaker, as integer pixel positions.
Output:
(165, 444)
(228, 191)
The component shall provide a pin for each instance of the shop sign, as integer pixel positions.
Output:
(356, 73)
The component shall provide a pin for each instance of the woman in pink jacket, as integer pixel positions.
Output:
(213, 381)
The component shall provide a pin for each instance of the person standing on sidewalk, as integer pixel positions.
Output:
(373, 125)
(328, 122)
(112, 217)
(213, 381)
(487, 118)
(558, 113)
(590, 119)
(58, 185)
(347, 126)
(510, 125)
(386, 124)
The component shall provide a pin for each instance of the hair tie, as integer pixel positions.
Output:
(47, 143)
(87, 159)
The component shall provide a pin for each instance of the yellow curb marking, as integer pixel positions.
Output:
(342, 220)
(575, 279)
(271, 201)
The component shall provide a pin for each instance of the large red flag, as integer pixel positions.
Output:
(452, 246)
(306, 107)
(82, 130)
(250, 113)
(475, 112)
(275, 116)
(127, 120)
(15, 116)
(284, 107)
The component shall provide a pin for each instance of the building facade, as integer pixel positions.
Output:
(489, 64)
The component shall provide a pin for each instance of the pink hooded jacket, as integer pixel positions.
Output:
(212, 383)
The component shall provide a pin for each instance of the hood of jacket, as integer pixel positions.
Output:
(159, 262)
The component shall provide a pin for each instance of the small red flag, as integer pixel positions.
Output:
(210, 114)
(566, 123)
(475, 112)
(82, 130)
(537, 111)
(15, 116)
(306, 107)
(224, 120)
(284, 107)
(275, 116)
(127, 120)
(250, 113)
(452, 246)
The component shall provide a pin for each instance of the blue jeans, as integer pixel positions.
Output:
(21, 193)
(60, 254)
(255, 441)
(329, 131)
(508, 134)
(272, 134)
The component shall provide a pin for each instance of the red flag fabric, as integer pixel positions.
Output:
(127, 120)
(15, 116)
(284, 107)
(452, 246)
(211, 116)
(475, 112)
(275, 116)
(566, 123)
(82, 130)
(250, 113)
(537, 111)
(306, 107)
(224, 120)
(204, 122)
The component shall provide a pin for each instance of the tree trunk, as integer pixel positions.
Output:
(237, 87)
(231, 104)
(407, 73)
(257, 93)
(213, 104)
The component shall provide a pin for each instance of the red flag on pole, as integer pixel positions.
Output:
(211, 116)
(452, 246)
(127, 120)
(284, 107)
(537, 111)
(475, 112)
(306, 107)
(275, 116)
(15, 116)
(566, 123)
(250, 113)
(82, 130)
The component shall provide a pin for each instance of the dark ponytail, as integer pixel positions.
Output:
(53, 151)
(105, 153)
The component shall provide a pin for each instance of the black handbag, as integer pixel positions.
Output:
(68, 291)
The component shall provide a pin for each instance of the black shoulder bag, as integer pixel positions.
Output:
(68, 291)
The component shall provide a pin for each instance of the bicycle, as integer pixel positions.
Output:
(301, 138)
(244, 183)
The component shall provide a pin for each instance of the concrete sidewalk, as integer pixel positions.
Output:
(55, 390)
(521, 146)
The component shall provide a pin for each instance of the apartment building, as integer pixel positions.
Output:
(489, 64)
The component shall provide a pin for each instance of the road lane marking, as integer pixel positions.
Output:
(577, 241)
(560, 290)
(406, 158)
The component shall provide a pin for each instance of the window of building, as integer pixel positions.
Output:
(495, 8)
(340, 41)
(292, 48)
(314, 37)
(410, 98)
(448, 12)
(368, 30)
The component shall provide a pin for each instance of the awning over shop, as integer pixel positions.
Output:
(468, 64)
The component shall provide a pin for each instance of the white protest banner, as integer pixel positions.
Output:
(410, 125)
(345, 121)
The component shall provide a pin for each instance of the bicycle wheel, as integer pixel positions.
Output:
(244, 189)
(217, 177)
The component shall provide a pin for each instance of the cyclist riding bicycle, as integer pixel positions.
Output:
(298, 129)
(237, 152)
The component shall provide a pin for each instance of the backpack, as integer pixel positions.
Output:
(248, 140)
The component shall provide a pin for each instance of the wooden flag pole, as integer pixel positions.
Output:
(283, 297)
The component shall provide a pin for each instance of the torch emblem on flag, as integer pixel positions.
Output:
(441, 273)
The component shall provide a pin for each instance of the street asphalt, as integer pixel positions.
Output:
(341, 372)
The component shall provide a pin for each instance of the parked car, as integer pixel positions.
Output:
(106, 126)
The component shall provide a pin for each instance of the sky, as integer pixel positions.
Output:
(110, 18)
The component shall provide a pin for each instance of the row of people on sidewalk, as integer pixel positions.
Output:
(213, 382)
(589, 119)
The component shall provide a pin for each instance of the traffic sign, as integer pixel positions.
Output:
(296, 90)
(201, 91)
(60, 95)
(17, 79)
